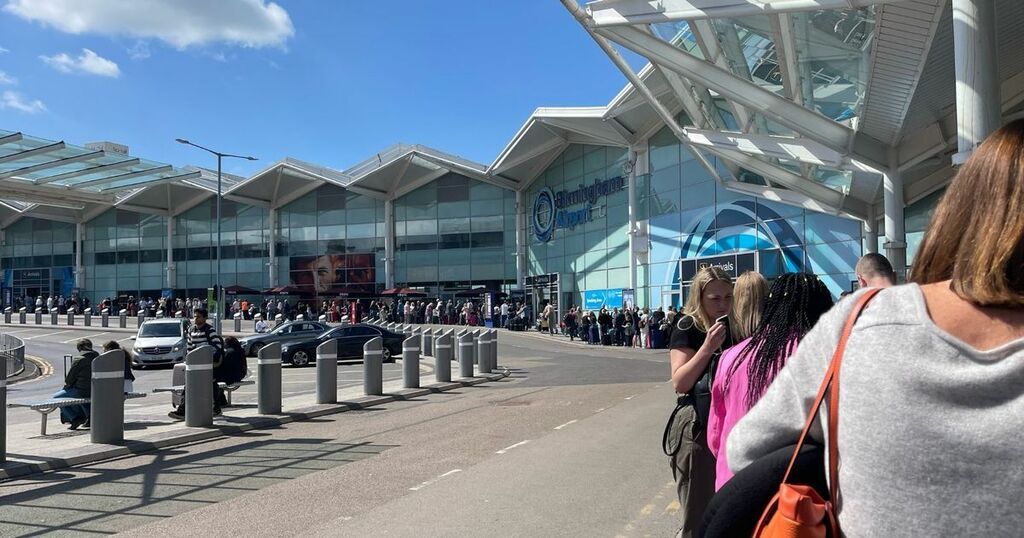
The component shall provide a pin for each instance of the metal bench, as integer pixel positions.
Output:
(45, 407)
(227, 388)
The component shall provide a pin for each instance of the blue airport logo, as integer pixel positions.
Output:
(551, 210)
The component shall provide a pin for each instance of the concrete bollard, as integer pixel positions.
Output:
(268, 384)
(238, 323)
(123, 318)
(71, 318)
(256, 319)
(443, 357)
(411, 363)
(466, 354)
(21, 315)
(327, 372)
(484, 358)
(105, 318)
(39, 317)
(476, 350)
(457, 350)
(142, 319)
(87, 318)
(53, 316)
(373, 367)
(179, 314)
(427, 343)
(322, 318)
(199, 387)
(159, 314)
(278, 319)
(7, 315)
(3, 415)
(106, 416)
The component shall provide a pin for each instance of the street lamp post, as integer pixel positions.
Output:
(217, 284)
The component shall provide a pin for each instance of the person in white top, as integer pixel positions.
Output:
(503, 312)
(261, 326)
(645, 329)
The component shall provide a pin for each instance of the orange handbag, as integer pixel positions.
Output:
(798, 511)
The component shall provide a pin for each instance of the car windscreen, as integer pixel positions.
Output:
(282, 329)
(159, 330)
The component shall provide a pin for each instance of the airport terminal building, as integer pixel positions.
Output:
(773, 142)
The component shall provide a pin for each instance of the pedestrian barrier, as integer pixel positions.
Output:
(373, 368)
(466, 354)
(327, 372)
(268, 388)
(7, 314)
(87, 318)
(411, 363)
(123, 318)
(141, 319)
(427, 343)
(484, 353)
(179, 314)
(458, 349)
(21, 315)
(199, 387)
(238, 323)
(39, 317)
(53, 316)
(107, 394)
(160, 314)
(71, 318)
(443, 357)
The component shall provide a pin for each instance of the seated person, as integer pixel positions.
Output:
(231, 368)
(262, 326)
(78, 384)
(129, 376)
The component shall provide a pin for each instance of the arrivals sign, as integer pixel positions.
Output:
(553, 210)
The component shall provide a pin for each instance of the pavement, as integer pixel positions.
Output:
(567, 445)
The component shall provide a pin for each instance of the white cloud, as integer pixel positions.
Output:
(139, 51)
(88, 62)
(14, 100)
(3, 50)
(182, 23)
(6, 79)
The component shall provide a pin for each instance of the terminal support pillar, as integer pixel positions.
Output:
(171, 277)
(272, 266)
(520, 240)
(389, 243)
(631, 181)
(870, 238)
(978, 103)
(79, 267)
(895, 234)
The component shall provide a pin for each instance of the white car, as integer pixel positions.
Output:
(160, 342)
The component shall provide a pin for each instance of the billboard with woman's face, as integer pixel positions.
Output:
(331, 271)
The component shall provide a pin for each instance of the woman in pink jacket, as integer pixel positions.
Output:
(794, 304)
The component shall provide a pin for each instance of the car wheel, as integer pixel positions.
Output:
(255, 348)
(300, 358)
(387, 356)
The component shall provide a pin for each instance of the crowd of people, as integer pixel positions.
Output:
(921, 415)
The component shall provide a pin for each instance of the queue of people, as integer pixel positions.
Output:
(875, 416)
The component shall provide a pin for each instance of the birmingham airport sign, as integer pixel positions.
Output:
(554, 210)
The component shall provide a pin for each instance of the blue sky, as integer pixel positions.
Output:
(331, 82)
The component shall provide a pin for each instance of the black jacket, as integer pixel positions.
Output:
(232, 367)
(80, 374)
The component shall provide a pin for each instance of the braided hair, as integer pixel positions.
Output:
(794, 304)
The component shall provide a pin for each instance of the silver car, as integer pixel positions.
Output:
(160, 342)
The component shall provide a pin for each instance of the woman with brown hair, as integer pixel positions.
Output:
(931, 387)
(698, 337)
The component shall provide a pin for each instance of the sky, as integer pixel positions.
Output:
(329, 82)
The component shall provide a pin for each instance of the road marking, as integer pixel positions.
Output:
(44, 334)
(429, 482)
(647, 510)
(564, 425)
(506, 449)
(72, 340)
(630, 397)
(672, 507)
(602, 409)
(126, 339)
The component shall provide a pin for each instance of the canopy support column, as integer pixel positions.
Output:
(520, 240)
(79, 268)
(389, 243)
(978, 103)
(895, 235)
(272, 247)
(869, 243)
(170, 275)
(631, 193)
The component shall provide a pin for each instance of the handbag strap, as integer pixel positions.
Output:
(831, 379)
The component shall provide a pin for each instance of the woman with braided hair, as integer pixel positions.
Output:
(794, 304)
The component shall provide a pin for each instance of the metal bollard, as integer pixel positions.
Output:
(238, 323)
(53, 316)
(268, 384)
(3, 414)
(87, 318)
(7, 315)
(39, 317)
(142, 319)
(494, 349)
(179, 314)
(373, 368)
(159, 314)
(457, 350)
(443, 357)
(466, 354)
(71, 318)
(476, 340)
(123, 318)
(21, 315)
(484, 358)
(198, 387)
(105, 318)
(411, 363)
(327, 372)
(107, 406)
(256, 319)
(427, 343)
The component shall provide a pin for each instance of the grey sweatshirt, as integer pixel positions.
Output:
(929, 428)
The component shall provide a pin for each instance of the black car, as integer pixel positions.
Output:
(351, 338)
(291, 330)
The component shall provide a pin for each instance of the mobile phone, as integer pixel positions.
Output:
(723, 320)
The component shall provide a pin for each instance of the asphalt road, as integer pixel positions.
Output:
(568, 445)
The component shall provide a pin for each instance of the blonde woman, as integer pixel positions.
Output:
(748, 303)
(698, 337)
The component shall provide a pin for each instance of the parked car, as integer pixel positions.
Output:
(291, 330)
(160, 342)
(351, 338)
